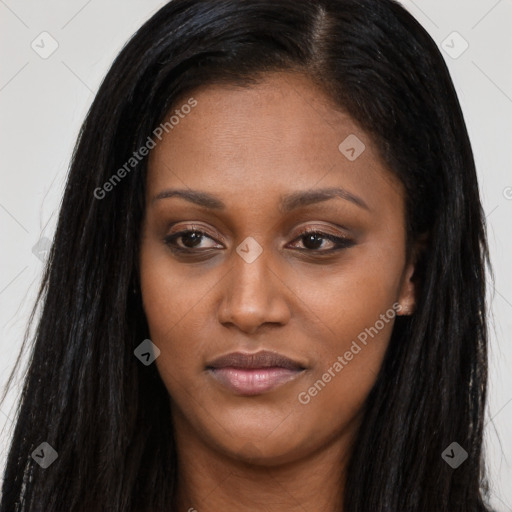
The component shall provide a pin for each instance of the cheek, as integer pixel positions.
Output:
(353, 314)
(347, 300)
(351, 308)
(174, 303)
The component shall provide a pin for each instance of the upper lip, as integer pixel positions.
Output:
(262, 359)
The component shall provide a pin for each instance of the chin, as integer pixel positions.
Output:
(265, 453)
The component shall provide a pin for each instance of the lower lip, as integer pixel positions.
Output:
(254, 381)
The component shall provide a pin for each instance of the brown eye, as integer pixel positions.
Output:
(313, 240)
(187, 240)
(191, 239)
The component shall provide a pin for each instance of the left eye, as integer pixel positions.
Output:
(312, 240)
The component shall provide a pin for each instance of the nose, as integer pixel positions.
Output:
(253, 294)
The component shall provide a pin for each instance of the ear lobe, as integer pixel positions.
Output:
(407, 298)
(411, 283)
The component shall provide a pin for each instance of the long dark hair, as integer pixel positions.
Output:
(107, 415)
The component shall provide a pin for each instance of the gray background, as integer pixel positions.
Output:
(44, 100)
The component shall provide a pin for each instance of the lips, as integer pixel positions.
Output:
(263, 359)
(253, 374)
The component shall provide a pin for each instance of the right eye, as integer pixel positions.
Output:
(190, 240)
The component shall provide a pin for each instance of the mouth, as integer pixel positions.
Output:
(254, 374)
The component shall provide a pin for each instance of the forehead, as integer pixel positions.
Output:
(267, 139)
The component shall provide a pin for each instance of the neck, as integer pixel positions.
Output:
(210, 481)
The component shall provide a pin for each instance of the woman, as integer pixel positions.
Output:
(266, 288)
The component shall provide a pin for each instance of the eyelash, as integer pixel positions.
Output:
(340, 242)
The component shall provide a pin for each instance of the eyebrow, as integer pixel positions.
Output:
(288, 202)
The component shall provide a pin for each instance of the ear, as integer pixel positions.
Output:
(410, 287)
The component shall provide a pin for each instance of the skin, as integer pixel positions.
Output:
(248, 147)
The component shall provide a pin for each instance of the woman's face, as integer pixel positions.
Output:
(246, 173)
